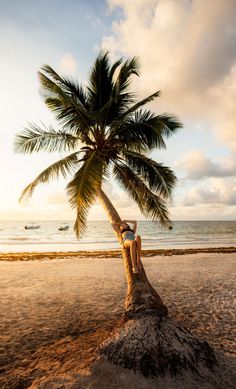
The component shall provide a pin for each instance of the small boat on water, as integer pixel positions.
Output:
(32, 226)
(63, 227)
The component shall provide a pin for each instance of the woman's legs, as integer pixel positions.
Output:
(133, 253)
(139, 244)
(131, 244)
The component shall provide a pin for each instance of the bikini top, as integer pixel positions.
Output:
(127, 229)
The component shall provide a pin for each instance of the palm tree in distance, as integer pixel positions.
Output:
(107, 132)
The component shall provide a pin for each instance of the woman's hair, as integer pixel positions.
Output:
(124, 226)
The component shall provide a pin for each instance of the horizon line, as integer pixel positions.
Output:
(106, 220)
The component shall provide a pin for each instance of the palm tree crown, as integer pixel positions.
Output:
(105, 131)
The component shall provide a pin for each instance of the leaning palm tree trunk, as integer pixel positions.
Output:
(141, 296)
(147, 341)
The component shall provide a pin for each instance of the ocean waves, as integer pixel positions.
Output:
(100, 235)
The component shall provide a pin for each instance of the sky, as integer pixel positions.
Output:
(187, 49)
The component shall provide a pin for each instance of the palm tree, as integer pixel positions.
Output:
(106, 132)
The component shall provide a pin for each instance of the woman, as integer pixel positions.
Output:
(131, 241)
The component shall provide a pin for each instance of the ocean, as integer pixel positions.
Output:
(100, 236)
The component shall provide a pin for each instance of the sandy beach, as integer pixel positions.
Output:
(57, 309)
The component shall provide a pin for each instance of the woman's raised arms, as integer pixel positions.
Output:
(134, 222)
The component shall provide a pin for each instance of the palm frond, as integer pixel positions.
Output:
(35, 138)
(114, 68)
(68, 103)
(70, 87)
(130, 67)
(52, 73)
(100, 83)
(108, 96)
(82, 190)
(158, 177)
(140, 103)
(150, 204)
(169, 124)
(72, 118)
(142, 128)
(147, 128)
(120, 97)
(62, 167)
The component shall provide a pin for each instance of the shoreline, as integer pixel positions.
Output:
(34, 255)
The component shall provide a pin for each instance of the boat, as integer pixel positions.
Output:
(64, 227)
(32, 226)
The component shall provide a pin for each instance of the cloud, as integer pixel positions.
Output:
(198, 166)
(217, 191)
(121, 201)
(204, 212)
(94, 21)
(223, 97)
(67, 63)
(190, 57)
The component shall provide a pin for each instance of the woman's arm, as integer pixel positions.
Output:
(135, 226)
(116, 227)
(134, 222)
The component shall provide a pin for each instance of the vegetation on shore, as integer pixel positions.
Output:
(34, 256)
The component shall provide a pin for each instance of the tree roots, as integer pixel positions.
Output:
(157, 347)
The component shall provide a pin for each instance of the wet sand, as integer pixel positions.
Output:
(55, 312)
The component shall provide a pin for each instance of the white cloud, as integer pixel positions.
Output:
(190, 57)
(215, 191)
(198, 166)
(223, 96)
(188, 50)
(126, 207)
(204, 212)
(67, 63)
